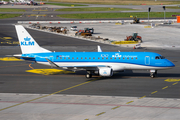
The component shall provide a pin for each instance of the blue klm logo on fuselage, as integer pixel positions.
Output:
(27, 42)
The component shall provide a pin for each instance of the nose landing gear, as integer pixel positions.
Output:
(153, 73)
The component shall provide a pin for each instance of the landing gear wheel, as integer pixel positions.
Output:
(88, 75)
(152, 75)
(139, 41)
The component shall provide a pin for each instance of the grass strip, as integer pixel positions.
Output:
(94, 9)
(66, 4)
(172, 7)
(3, 16)
(118, 15)
(11, 10)
(121, 2)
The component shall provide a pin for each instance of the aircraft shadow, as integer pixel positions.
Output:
(159, 75)
(130, 74)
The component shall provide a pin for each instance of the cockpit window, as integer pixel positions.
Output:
(159, 57)
(162, 57)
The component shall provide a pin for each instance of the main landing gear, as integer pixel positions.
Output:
(153, 73)
(89, 74)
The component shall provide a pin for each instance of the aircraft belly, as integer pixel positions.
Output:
(143, 67)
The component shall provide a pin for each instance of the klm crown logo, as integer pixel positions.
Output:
(27, 39)
(104, 72)
(27, 42)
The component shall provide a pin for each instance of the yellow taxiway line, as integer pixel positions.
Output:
(124, 42)
(50, 94)
(10, 59)
(172, 80)
(49, 71)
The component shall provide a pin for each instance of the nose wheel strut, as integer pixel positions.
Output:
(153, 73)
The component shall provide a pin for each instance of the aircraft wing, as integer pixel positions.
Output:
(77, 67)
(52, 63)
(83, 67)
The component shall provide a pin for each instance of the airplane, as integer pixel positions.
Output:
(102, 63)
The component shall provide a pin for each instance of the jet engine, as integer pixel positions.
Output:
(105, 72)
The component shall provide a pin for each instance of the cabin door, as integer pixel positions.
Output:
(147, 60)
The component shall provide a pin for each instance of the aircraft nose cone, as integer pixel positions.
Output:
(170, 64)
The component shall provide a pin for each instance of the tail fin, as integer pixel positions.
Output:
(27, 43)
(99, 49)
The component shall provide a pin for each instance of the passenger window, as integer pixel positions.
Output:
(93, 57)
(56, 57)
(102, 58)
(119, 58)
(111, 57)
(85, 57)
(132, 58)
(73, 58)
(89, 58)
(107, 58)
(60, 57)
(128, 58)
(123, 58)
(115, 58)
(68, 57)
(64, 57)
(98, 58)
(77, 57)
(81, 57)
(136, 58)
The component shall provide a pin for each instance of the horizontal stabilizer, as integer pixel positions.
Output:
(19, 56)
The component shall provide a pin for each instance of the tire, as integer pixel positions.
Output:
(152, 75)
(88, 76)
(139, 41)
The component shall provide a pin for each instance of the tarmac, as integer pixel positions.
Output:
(125, 96)
(81, 107)
(128, 95)
(157, 36)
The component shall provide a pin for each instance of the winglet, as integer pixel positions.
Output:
(99, 49)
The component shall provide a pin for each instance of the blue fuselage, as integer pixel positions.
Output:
(116, 60)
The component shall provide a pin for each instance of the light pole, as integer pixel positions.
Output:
(149, 9)
(164, 12)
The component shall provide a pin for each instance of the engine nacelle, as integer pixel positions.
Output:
(105, 72)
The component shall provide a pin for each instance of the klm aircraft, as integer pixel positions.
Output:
(101, 63)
